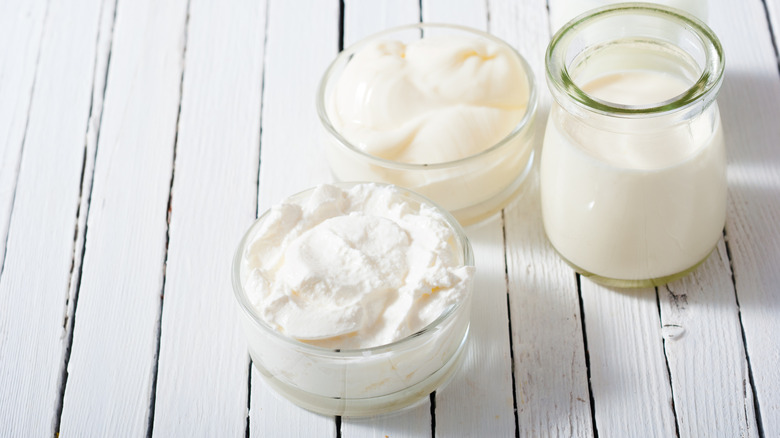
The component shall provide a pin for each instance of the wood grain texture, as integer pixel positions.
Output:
(705, 354)
(21, 26)
(471, 13)
(630, 383)
(292, 159)
(117, 315)
(34, 302)
(365, 17)
(750, 109)
(202, 371)
(549, 358)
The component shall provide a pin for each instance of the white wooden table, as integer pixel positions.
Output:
(139, 138)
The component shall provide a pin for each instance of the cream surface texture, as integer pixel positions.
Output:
(643, 199)
(353, 268)
(435, 100)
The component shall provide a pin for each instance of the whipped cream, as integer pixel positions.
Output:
(353, 268)
(435, 100)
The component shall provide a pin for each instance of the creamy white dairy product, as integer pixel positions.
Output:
(353, 268)
(565, 10)
(334, 270)
(448, 116)
(641, 199)
(434, 100)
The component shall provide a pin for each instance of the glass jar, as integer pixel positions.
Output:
(633, 168)
(360, 381)
(472, 187)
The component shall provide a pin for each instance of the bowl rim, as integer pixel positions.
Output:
(248, 309)
(519, 129)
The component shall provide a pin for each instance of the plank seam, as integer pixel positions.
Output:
(248, 398)
(756, 405)
(509, 320)
(771, 34)
(155, 366)
(75, 277)
(341, 25)
(260, 133)
(24, 135)
(666, 362)
(587, 356)
(433, 413)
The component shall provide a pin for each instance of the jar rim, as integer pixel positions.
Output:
(518, 130)
(705, 88)
(250, 311)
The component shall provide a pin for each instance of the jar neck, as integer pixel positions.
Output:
(635, 37)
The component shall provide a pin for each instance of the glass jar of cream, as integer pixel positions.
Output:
(633, 168)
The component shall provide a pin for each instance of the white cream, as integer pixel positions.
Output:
(641, 199)
(432, 108)
(435, 100)
(353, 268)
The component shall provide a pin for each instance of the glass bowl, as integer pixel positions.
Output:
(365, 381)
(471, 188)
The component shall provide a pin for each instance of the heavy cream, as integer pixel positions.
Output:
(448, 116)
(353, 268)
(642, 199)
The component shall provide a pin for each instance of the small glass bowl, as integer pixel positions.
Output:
(366, 381)
(471, 188)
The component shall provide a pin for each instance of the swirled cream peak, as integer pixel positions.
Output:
(435, 100)
(353, 268)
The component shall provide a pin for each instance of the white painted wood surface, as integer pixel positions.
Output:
(113, 112)
(21, 26)
(41, 231)
(115, 333)
(202, 385)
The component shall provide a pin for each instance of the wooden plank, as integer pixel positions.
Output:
(34, 288)
(471, 13)
(113, 356)
(292, 159)
(704, 350)
(479, 401)
(549, 359)
(21, 25)
(202, 385)
(750, 108)
(629, 379)
(365, 17)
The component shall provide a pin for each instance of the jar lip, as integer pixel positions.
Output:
(706, 86)
(250, 311)
(348, 52)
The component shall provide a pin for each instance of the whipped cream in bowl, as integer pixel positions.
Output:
(444, 110)
(355, 297)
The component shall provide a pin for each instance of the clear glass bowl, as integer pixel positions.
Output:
(471, 188)
(366, 381)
